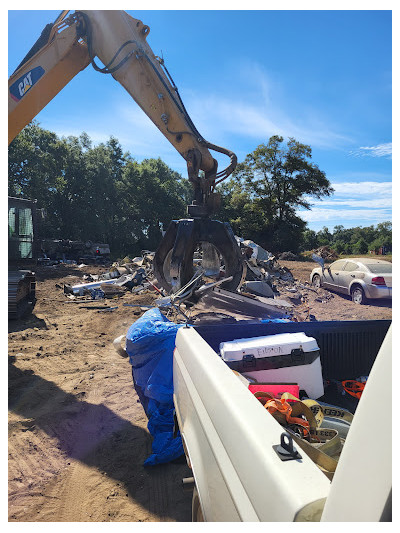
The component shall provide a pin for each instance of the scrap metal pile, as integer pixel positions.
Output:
(55, 251)
(131, 275)
(268, 290)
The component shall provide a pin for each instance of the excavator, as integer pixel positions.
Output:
(82, 38)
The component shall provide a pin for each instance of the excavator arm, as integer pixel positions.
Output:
(56, 58)
(119, 41)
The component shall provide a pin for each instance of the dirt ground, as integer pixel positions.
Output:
(77, 431)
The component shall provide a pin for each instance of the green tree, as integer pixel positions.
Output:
(347, 240)
(324, 237)
(375, 244)
(96, 192)
(380, 242)
(348, 249)
(150, 196)
(68, 213)
(384, 233)
(384, 228)
(272, 182)
(309, 239)
(35, 159)
(339, 246)
(361, 247)
(244, 214)
(104, 167)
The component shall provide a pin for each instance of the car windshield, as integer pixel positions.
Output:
(381, 268)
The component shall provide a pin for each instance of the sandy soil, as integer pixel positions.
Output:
(77, 431)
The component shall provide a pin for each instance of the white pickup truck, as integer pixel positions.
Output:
(229, 436)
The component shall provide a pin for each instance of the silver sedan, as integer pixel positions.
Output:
(361, 278)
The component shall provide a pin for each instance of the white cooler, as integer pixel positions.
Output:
(282, 358)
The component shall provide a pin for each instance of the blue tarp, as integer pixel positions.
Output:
(150, 344)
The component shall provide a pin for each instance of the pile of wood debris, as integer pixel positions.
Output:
(326, 253)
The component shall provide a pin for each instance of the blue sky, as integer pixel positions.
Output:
(323, 77)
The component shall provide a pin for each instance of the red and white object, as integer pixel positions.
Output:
(285, 357)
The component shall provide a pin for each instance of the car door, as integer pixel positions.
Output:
(346, 276)
(330, 275)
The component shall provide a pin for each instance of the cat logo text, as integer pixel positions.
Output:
(22, 86)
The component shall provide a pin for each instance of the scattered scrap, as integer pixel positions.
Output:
(268, 290)
(55, 251)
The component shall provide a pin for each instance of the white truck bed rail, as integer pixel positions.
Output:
(229, 436)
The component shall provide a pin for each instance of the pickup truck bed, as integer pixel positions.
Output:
(228, 436)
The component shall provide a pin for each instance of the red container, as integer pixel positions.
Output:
(277, 389)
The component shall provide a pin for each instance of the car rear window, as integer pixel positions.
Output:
(382, 268)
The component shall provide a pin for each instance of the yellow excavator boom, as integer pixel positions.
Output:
(43, 75)
(119, 42)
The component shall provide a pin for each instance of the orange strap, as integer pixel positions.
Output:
(282, 409)
(355, 388)
(289, 413)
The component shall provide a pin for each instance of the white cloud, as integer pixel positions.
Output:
(380, 150)
(220, 116)
(360, 176)
(131, 126)
(253, 114)
(342, 216)
(257, 106)
(235, 116)
(353, 203)
(385, 203)
(368, 188)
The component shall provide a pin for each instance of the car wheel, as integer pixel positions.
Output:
(358, 295)
(316, 281)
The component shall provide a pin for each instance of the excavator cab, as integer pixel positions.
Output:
(22, 252)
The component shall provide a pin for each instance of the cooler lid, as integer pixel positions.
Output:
(268, 346)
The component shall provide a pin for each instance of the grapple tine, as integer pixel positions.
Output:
(173, 261)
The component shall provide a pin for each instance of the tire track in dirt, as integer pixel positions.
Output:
(90, 433)
(129, 485)
(81, 481)
(77, 483)
(73, 492)
(23, 466)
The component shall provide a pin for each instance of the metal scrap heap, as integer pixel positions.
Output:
(268, 290)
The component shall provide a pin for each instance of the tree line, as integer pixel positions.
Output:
(351, 241)
(101, 193)
(96, 193)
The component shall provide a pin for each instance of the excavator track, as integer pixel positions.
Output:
(21, 292)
